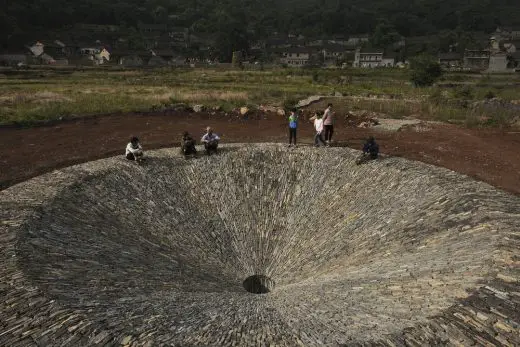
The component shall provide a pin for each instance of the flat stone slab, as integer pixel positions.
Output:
(388, 124)
(393, 252)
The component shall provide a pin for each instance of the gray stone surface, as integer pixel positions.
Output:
(394, 252)
(389, 124)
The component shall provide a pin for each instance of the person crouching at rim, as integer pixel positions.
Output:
(134, 150)
(210, 140)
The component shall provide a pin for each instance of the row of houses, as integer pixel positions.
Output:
(336, 55)
(57, 53)
(501, 55)
(298, 51)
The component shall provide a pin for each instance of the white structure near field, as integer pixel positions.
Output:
(372, 58)
(296, 56)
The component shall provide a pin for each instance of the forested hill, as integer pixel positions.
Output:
(260, 18)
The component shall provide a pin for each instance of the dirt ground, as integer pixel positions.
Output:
(489, 155)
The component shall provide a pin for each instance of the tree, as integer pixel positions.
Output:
(425, 70)
(384, 35)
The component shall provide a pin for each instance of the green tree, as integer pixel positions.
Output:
(384, 35)
(425, 70)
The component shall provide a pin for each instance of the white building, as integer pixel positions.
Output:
(296, 56)
(368, 58)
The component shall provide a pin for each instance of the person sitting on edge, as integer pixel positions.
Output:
(210, 140)
(293, 126)
(318, 125)
(188, 144)
(134, 150)
(370, 151)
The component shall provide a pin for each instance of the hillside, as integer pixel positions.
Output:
(238, 23)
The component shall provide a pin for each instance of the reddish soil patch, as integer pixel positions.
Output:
(488, 155)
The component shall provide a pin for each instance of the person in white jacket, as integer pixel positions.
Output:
(134, 150)
(210, 141)
(318, 125)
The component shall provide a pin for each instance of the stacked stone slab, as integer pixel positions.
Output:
(393, 252)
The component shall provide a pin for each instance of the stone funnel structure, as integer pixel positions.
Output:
(258, 246)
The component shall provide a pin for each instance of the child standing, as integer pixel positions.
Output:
(318, 125)
(293, 126)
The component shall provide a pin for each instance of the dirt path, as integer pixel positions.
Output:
(488, 155)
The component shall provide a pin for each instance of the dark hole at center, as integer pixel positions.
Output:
(258, 284)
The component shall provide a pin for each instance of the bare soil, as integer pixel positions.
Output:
(489, 155)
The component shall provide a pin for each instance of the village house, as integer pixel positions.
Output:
(285, 42)
(388, 61)
(315, 43)
(357, 41)
(296, 56)
(36, 48)
(333, 54)
(161, 57)
(13, 58)
(497, 62)
(98, 55)
(339, 40)
(506, 34)
(129, 58)
(451, 61)
(511, 46)
(368, 58)
(515, 60)
(476, 59)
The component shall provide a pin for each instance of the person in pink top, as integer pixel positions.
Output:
(328, 124)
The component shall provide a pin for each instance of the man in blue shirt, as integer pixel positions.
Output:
(210, 140)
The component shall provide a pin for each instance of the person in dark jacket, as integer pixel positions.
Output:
(370, 151)
(188, 144)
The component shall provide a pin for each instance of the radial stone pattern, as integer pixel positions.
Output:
(258, 246)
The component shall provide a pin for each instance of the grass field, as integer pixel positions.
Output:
(32, 95)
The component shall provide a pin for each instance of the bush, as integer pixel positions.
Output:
(490, 95)
(315, 76)
(425, 70)
(289, 103)
(465, 92)
(436, 97)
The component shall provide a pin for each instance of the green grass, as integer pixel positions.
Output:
(38, 95)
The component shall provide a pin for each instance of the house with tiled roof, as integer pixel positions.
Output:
(296, 56)
(368, 57)
(451, 60)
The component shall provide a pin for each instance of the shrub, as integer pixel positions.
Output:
(465, 92)
(315, 76)
(425, 70)
(490, 95)
(436, 96)
(289, 103)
